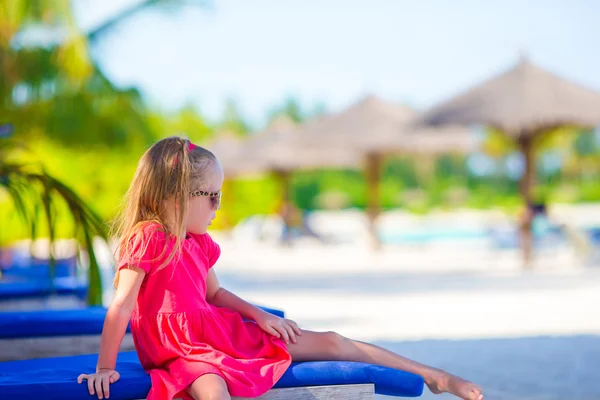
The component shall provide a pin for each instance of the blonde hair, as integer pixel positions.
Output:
(170, 169)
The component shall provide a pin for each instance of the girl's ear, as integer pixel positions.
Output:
(171, 202)
(176, 203)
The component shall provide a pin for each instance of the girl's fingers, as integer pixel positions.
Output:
(284, 333)
(291, 334)
(106, 386)
(98, 386)
(90, 380)
(296, 328)
(81, 377)
(274, 332)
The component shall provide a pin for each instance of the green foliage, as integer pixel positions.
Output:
(36, 197)
(233, 121)
(292, 109)
(76, 121)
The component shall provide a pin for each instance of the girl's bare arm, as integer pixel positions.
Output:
(220, 297)
(118, 315)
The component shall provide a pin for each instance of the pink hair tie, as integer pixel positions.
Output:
(191, 146)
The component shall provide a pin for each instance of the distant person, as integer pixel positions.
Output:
(292, 221)
(195, 338)
(543, 224)
(295, 223)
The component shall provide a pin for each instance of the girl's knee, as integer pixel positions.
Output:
(336, 343)
(223, 395)
(209, 393)
(209, 387)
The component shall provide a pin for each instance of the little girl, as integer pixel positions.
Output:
(189, 332)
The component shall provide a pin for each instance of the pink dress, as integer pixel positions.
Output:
(179, 336)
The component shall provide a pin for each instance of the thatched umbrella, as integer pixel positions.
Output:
(229, 149)
(524, 102)
(276, 150)
(376, 128)
(280, 149)
(227, 146)
(282, 153)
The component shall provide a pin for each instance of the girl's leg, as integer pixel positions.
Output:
(313, 346)
(209, 387)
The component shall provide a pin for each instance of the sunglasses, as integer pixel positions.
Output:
(215, 197)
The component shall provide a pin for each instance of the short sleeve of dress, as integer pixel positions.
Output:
(210, 248)
(144, 251)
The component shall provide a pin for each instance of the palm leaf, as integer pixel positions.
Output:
(135, 9)
(33, 192)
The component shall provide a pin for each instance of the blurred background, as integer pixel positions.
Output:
(424, 175)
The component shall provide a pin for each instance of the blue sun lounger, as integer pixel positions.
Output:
(52, 333)
(48, 323)
(56, 378)
(17, 287)
(33, 268)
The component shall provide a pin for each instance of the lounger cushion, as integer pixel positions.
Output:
(47, 323)
(20, 288)
(56, 378)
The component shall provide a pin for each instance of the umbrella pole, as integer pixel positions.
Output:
(283, 178)
(226, 218)
(286, 188)
(527, 182)
(373, 177)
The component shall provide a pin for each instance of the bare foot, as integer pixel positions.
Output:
(441, 381)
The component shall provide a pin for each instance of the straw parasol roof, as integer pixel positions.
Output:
(376, 128)
(280, 149)
(275, 150)
(229, 149)
(521, 101)
(365, 126)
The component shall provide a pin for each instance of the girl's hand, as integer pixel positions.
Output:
(285, 329)
(100, 381)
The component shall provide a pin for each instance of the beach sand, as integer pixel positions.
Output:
(521, 335)
(464, 306)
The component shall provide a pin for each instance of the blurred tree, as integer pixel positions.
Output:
(135, 8)
(189, 121)
(587, 150)
(232, 120)
(50, 87)
(33, 191)
(292, 109)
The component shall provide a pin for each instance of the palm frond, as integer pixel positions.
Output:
(109, 24)
(36, 192)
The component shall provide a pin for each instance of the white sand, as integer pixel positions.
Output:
(453, 315)
(452, 289)
(520, 335)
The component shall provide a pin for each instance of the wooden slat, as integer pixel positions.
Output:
(29, 348)
(333, 392)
